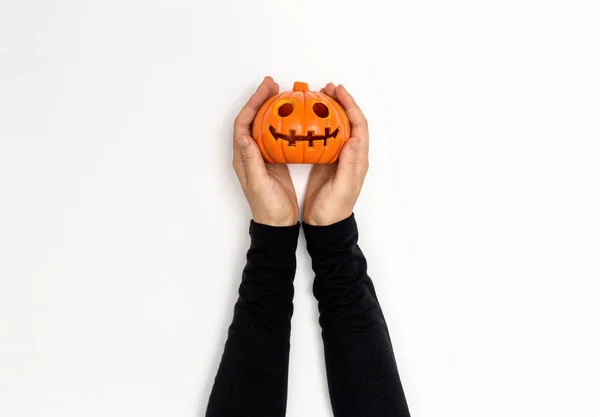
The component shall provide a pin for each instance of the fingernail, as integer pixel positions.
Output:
(243, 141)
(354, 144)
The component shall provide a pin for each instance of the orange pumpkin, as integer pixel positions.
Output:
(301, 127)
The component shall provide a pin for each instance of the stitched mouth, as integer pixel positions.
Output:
(292, 138)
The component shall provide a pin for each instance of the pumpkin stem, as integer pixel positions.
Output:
(300, 86)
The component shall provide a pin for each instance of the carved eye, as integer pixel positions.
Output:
(321, 110)
(285, 109)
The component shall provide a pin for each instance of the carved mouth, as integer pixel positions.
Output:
(292, 138)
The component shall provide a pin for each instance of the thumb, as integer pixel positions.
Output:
(252, 158)
(350, 170)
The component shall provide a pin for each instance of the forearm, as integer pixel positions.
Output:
(252, 376)
(361, 368)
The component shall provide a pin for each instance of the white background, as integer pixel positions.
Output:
(123, 231)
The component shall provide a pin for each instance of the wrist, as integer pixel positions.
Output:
(339, 237)
(278, 244)
(286, 222)
(326, 220)
(269, 219)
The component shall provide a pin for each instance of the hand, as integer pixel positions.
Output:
(332, 190)
(267, 187)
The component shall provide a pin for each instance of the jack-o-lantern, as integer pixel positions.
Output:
(301, 127)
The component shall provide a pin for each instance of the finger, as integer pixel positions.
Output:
(273, 86)
(244, 120)
(265, 90)
(268, 79)
(330, 91)
(252, 161)
(352, 165)
(357, 119)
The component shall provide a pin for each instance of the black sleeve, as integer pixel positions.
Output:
(252, 377)
(361, 368)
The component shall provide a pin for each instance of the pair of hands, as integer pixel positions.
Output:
(332, 189)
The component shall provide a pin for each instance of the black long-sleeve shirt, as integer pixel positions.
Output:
(361, 369)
